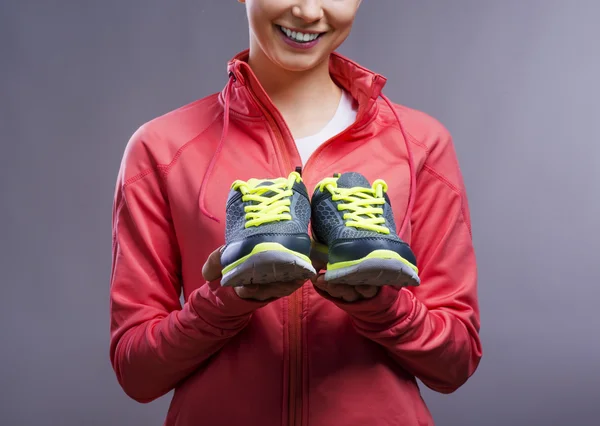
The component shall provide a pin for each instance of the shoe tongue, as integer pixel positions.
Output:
(352, 180)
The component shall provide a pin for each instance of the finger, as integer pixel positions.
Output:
(212, 267)
(319, 281)
(338, 291)
(367, 291)
(247, 291)
(251, 288)
(350, 295)
(343, 291)
(318, 264)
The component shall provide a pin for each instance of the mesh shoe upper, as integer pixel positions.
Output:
(274, 222)
(329, 227)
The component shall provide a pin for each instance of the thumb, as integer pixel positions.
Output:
(211, 270)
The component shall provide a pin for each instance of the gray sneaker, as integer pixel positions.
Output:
(355, 235)
(266, 234)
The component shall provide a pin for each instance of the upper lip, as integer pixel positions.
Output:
(303, 31)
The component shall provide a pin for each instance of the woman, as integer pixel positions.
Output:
(291, 353)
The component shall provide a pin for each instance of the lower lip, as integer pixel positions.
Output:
(297, 45)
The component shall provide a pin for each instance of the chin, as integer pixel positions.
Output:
(298, 63)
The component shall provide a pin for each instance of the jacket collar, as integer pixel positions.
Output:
(364, 85)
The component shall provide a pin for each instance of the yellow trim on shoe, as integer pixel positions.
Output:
(376, 254)
(261, 248)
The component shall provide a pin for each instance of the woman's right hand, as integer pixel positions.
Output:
(212, 271)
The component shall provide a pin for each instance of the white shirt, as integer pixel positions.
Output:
(343, 118)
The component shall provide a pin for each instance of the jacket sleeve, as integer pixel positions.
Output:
(155, 342)
(432, 330)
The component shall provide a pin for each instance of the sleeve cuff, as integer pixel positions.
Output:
(225, 300)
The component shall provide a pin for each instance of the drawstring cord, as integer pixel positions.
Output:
(213, 161)
(411, 169)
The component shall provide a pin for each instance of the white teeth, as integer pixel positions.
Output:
(298, 36)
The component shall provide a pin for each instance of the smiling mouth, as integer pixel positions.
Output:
(299, 37)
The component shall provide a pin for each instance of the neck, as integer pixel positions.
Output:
(298, 88)
(296, 93)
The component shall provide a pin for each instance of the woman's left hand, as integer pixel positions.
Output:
(345, 292)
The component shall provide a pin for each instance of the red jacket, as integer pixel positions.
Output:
(305, 359)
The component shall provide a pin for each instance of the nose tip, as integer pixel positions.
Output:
(308, 10)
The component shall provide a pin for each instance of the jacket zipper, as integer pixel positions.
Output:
(294, 308)
(295, 392)
(295, 329)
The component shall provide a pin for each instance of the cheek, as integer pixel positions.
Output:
(341, 34)
(342, 22)
(260, 14)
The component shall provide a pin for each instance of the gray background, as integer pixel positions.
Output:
(516, 82)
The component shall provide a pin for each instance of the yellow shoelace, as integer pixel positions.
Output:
(362, 204)
(274, 207)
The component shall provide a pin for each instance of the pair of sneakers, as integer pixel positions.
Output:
(353, 230)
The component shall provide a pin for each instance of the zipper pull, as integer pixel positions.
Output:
(299, 170)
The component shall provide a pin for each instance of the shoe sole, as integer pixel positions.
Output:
(268, 264)
(377, 269)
